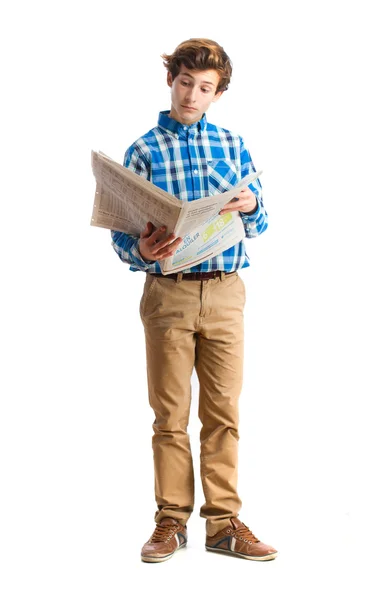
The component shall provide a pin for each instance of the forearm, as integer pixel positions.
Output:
(255, 223)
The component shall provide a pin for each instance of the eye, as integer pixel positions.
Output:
(185, 83)
(205, 90)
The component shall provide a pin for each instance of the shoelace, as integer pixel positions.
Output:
(244, 533)
(163, 533)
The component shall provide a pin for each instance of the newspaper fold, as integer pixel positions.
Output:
(125, 202)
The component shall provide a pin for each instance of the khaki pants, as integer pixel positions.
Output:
(187, 324)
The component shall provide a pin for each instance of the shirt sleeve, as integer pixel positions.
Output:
(256, 222)
(125, 244)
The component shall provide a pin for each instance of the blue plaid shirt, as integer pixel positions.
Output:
(191, 162)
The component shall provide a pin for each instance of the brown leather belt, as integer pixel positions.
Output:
(195, 276)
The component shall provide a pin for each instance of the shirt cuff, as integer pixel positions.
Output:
(137, 257)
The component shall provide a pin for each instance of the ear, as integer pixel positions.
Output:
(217, 96)
(169, 79)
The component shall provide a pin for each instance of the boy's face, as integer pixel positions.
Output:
(192, 92)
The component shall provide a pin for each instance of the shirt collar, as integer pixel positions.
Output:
(177, 129)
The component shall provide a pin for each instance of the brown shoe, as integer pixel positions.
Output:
(169, 535)
(237, 539)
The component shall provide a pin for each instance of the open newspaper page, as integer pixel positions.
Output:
(215, 236)
(125, 202)
(202, 241)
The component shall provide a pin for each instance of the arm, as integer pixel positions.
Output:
(124, 244)
(255, 221)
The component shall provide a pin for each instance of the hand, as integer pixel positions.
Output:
(246, 202)
(155, 245)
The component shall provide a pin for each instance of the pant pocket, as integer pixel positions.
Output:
(148, 288)
(243, 287)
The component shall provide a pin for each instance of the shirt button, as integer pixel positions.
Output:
(195, 171)
(185, 128)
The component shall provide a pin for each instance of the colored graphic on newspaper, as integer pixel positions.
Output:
(216, 227)
(202, 240)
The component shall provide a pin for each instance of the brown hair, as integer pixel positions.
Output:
(200, 54)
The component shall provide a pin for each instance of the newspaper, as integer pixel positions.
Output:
(125, 202)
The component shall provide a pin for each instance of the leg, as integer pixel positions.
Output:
(219, 366)
(167, 311)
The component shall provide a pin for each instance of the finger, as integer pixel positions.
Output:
(162, 246)
(232, 203)
(159, 244)
(169, 245)
(157, 235)
(233, 206)
(168, 254)
(164, 255)
(147, 230)
(166, 250)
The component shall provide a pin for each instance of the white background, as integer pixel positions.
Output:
(76, 461)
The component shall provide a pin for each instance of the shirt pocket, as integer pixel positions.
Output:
(222, 175)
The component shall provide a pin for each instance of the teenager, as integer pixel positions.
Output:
(194, 318)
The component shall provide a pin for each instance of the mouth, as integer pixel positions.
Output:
(188, 107)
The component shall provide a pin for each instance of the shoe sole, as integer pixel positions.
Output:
(232, 553)
(155, 559)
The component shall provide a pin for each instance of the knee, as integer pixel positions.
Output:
(171, 423)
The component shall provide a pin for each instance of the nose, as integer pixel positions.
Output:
(191, 94)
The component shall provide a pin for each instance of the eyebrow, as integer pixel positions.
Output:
(191, 77)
